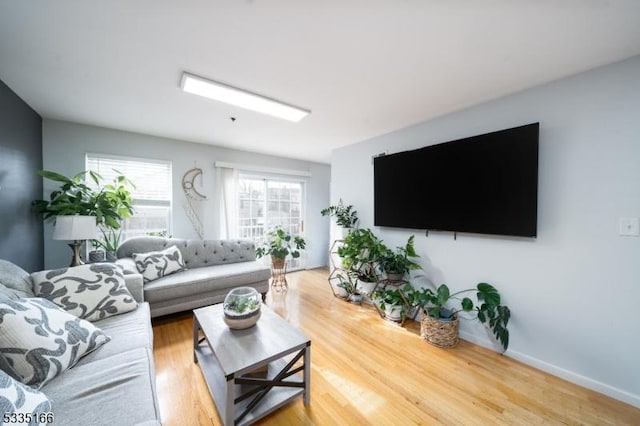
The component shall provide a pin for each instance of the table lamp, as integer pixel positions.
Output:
(75, 228)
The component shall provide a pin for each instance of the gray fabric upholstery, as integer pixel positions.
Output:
(9, 293)
(14, 277)
(112, 385)
(117, 390)
(203, 280)
(213, 268)
(134, 284)
(196, 253)
(130, 331)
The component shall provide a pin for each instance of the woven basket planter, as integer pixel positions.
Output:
(443, 334)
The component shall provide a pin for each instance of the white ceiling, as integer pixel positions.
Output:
(363, 67)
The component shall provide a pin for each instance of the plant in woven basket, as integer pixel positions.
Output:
(488, 308)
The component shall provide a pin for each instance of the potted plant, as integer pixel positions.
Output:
(279, 244)
(345, 215)
(439, 324)
(395, 263)
(110, 203)
(360, 253)
(110, 242)
(349, 283)
(391, 303)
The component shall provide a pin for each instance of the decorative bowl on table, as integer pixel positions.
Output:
(242, 307)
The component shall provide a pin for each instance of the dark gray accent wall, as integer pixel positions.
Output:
(21, 235)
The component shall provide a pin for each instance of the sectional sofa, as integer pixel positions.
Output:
(93, 371)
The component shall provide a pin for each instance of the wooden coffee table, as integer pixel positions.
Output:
(229, 360)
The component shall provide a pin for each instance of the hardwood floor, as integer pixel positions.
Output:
(365, 370)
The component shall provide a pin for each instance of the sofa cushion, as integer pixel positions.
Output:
(39, 340)
(9, 293)
(203, 280)
(92, 292)
(17, 398)
(158, 264)
(130, 331)
(118, 390)
(14, 277)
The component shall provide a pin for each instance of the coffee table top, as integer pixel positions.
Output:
(238, 350)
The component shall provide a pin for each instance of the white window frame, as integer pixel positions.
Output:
(295, 264)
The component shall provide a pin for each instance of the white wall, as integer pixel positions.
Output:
(65, 145)
(574, 290)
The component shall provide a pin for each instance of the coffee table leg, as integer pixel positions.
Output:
(307, 375)
(228, 412)
(196, 329)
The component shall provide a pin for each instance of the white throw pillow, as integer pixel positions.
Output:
(92, 292)
(39, 340)
(20, 404)
(158, 264)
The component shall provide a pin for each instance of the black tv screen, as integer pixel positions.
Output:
(485, 184)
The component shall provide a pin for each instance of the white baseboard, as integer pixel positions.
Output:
(570, 376)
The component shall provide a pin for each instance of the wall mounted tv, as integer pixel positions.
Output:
(485, 184)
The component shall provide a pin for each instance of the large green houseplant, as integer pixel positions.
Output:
(345, 215)
(109, 202)
(443, 306)
(360, 253)
(278, 243)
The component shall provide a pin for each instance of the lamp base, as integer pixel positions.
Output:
(76, 259)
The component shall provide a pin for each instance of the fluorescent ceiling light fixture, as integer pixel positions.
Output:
(221, 92)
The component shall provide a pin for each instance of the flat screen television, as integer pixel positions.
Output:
(484, 184)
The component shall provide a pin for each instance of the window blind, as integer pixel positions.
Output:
(152, 179)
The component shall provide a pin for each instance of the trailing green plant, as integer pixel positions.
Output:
(279, 243)
(488, 308)
(399, 261)
(346, 216)
(110, 202)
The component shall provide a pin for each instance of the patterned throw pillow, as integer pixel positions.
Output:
(158, 264)
(17, 399)
(90, 292)
(39, 340)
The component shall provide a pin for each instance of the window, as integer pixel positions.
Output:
(151, 196)
(266, 202)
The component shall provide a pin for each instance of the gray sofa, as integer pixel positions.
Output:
(213, 268)
(113, 385)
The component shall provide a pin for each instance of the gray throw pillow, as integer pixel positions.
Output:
(15, 278)
(158, 264)
(92, 292)
(39, 340)
(20, 404)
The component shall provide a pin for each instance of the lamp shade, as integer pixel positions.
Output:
(75, 228)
